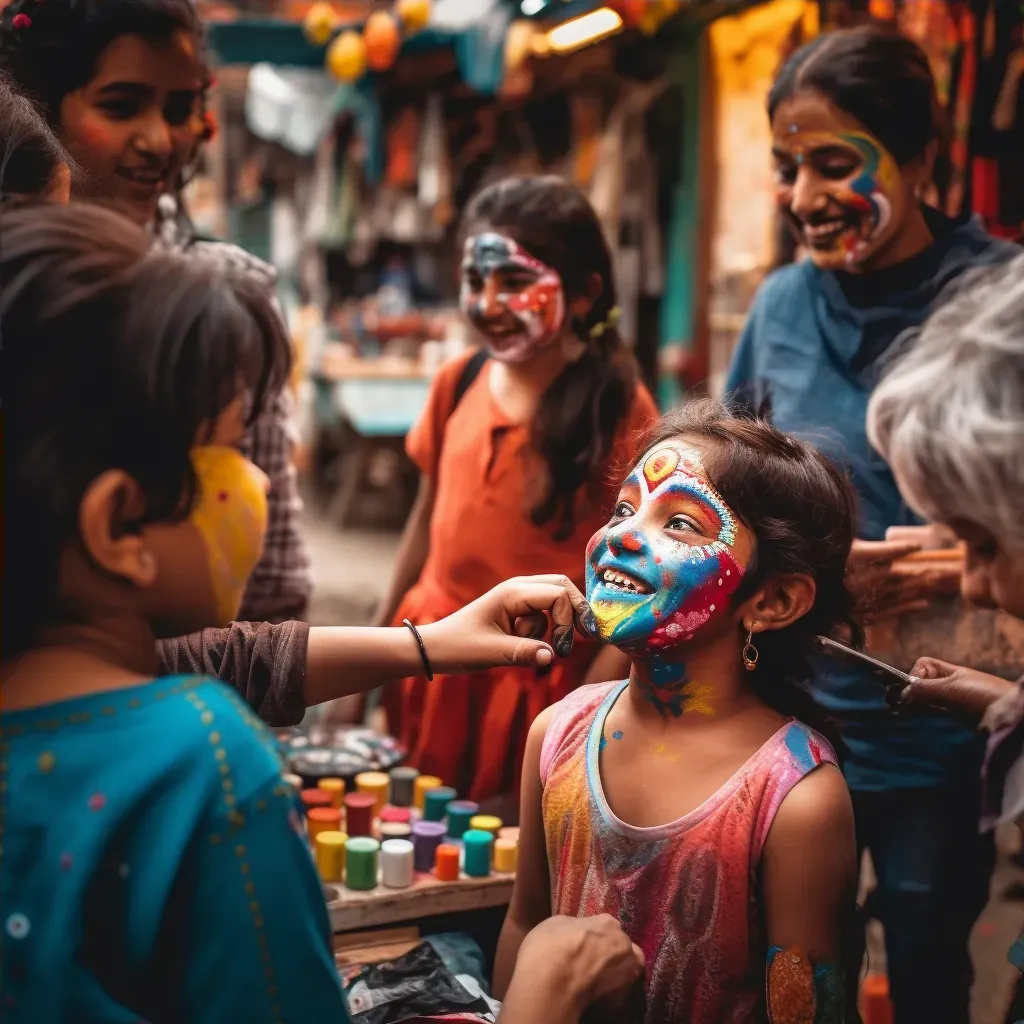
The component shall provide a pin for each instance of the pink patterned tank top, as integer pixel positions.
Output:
(685, 892)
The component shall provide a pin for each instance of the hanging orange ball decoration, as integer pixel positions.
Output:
(382, 39)
(346, 56)
(413, 14)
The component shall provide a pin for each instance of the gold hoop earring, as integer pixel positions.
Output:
(750, 652)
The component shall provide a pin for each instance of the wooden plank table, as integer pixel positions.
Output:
(426, 897)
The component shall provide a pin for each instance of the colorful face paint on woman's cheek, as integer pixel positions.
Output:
(865, 196)
(515, 322)
(648, 589)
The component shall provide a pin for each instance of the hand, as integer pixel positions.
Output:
(507, 625)
(952, 687)
(879, 592)
(587, 959)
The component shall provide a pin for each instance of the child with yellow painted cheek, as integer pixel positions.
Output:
(129, 516)
(694, 801)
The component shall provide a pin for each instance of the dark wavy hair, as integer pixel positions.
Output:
(585, 405)
(113, 355)
(880, 77)
(802, 512)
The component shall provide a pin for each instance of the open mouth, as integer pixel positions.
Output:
(616, 579)
(144, 178)
(826, 234)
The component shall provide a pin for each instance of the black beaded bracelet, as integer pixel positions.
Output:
(423, 649)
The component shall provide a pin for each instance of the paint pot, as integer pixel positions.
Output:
(378, 785)
(395, 830)
(330, 855)
(435, 806)
(486, 823)
(336, 787)
(361, 863)
(478, 853)
(402, 782)
(506, 856)
(422, 786)
(460, 814)
(315, 798)
(322, 819)
(396, 863)
(446, 863)
(359, 814)
(395, 815)
(426, 838)
(509, 832)
(295, 781)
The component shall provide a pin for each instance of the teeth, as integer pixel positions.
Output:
(823, 230)
(616, 579)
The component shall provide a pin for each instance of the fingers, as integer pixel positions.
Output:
(533, 626)
(879, 552)
(520, 651)
(576, 612)
(932, 668)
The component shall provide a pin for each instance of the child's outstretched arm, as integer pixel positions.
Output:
(531, 895)
(810, 884)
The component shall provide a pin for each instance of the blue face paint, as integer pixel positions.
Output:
(663, 569)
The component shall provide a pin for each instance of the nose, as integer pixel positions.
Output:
(624, 538)
(489, 304)
(154, 136)
(807, 197)
(975, 586)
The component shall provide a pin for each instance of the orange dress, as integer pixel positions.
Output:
(470, 729)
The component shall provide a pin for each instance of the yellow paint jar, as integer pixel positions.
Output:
(336, 787)
(424, 783)
(377, 785)
(506, 856)
(330, 855)
(486, 823)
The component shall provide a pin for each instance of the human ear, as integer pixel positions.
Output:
(112, 503)
(778, 602)
(581, 305)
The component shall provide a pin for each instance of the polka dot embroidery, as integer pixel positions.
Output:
(46, 762)
(66, 860)
(17, 926)
(97, 802)
(123, 871)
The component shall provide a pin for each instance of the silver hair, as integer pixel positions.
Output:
(948, 416)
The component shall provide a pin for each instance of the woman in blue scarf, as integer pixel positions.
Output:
(856, 130)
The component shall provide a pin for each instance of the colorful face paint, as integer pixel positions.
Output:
(856, 182)
(664, 568)
(515, 301)
(231, 515)
(799, 992)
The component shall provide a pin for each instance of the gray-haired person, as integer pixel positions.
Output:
(949, 420)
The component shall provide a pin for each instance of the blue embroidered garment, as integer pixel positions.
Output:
(153, 867)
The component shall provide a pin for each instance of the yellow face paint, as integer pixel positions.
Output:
(231, 515)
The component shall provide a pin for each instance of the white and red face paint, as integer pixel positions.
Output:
(513, 299)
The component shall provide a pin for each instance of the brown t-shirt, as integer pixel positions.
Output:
(265, 663)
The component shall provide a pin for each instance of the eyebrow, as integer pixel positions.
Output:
(141, 89)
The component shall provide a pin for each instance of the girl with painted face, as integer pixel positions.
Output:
(687, 800)
(153, 864)
(515, 469)
(855, 134)
(122, 83)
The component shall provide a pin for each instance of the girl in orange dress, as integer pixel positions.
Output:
(518, 449)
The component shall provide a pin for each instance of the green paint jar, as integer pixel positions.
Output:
(478, 847)
(361, 863)
(460, 814)
(435, 806)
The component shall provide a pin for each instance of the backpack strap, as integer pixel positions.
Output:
(470, 372)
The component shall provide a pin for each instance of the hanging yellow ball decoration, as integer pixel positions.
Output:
(346, 56)
(320, 23)
(656, 13)
(382, 39)
(413, 14)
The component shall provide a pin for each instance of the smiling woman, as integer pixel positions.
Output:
(120, 81)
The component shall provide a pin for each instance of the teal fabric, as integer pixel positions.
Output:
(153, 867)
